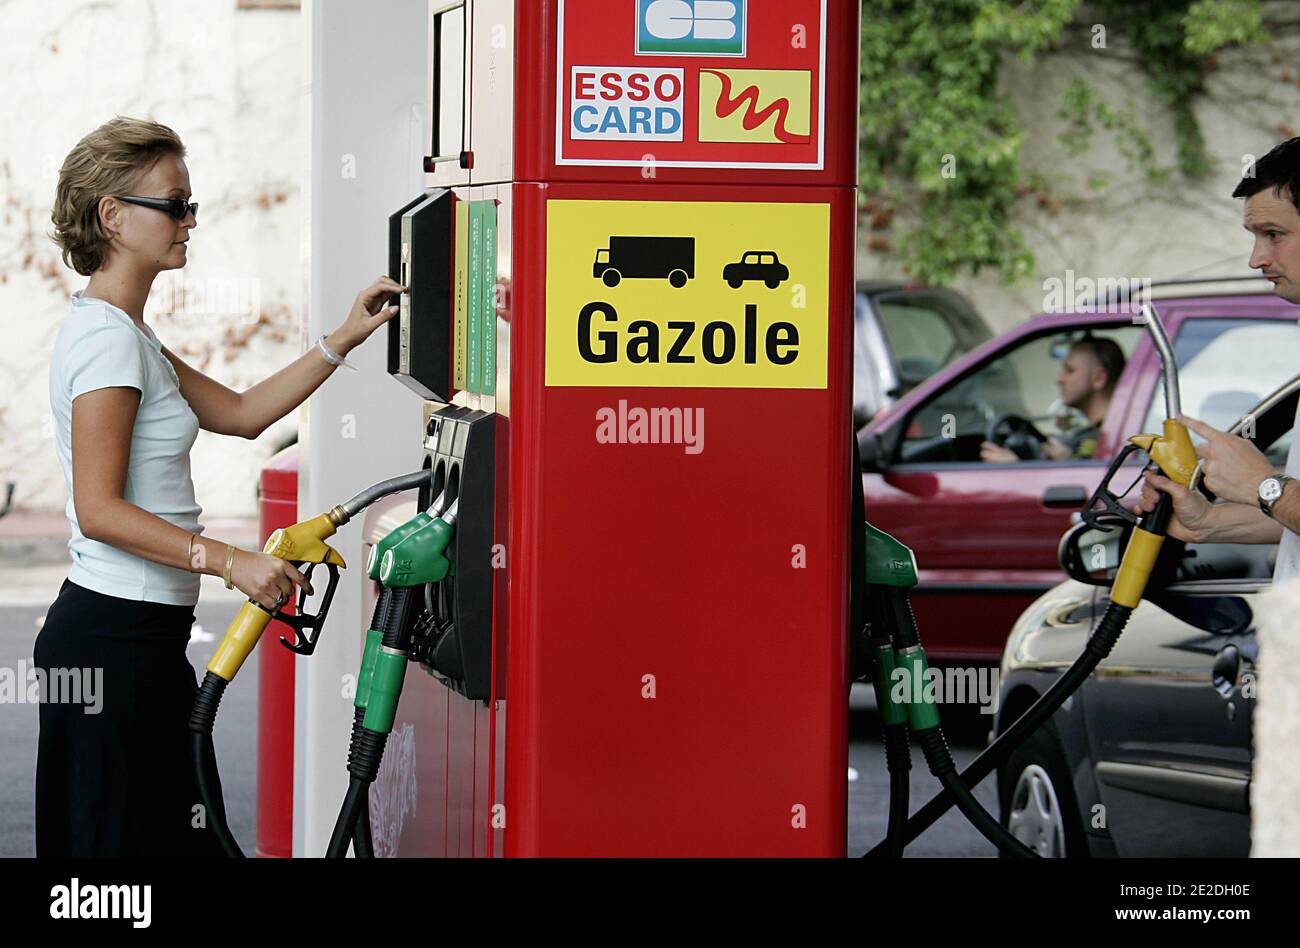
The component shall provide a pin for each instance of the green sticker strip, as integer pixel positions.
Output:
(489, 287)
(474, 381)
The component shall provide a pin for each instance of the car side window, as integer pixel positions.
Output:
(1213, 383)
(1021, 381)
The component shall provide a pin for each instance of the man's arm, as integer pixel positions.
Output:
(1196, 520)
(1238, 523)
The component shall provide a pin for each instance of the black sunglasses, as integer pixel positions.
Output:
(177, 208)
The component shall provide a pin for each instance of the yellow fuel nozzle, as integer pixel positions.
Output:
(1172, 452)
(304, 542)
(301, 544)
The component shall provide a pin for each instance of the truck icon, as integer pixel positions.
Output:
(756, 265)
(646, 258)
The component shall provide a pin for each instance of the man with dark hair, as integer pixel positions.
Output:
(1258, 505)
(1087, 380)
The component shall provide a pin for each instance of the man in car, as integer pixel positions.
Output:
(1258, 505)
(1087, 380)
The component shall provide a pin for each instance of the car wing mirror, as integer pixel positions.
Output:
(872, 451)
(1091, 554)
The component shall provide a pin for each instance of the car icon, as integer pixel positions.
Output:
(756, 265)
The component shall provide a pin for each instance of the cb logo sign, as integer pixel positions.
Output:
(690, 27)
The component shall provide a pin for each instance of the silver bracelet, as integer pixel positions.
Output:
(332, 357)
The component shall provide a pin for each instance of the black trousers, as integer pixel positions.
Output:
(118, 782)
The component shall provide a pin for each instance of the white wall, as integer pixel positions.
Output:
(367, 68)
(228, 82)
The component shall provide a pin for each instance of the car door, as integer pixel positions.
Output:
(985, 535)
(1168, 715)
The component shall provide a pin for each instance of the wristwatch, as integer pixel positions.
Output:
(1270, 491)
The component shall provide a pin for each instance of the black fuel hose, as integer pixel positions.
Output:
(362, 841)
(1098, 647)
(898, 758)
(907, 638)
(204, 756)
(368, 753)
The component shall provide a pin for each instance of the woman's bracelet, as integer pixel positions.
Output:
(332, 357)
(230, 562)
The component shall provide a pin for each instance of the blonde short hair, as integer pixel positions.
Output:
(109, 161)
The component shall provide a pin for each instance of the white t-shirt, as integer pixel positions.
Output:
(100, 346)
(1288, 549)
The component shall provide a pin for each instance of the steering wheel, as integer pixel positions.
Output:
(1017, 433)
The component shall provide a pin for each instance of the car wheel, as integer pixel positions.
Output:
(1038, 803)
(772, 283)
(677, 278)
(611, 277)
(734, 282)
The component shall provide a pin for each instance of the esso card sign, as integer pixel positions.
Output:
(626, 104)
(691, 83)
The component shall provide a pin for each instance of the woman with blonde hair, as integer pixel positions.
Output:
(126, 412)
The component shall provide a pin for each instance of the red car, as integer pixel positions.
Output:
(985, 535)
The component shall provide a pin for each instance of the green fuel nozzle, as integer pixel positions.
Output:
(420, 557)
(889, 562)
(400, 533)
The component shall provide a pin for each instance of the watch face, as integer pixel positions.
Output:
(1270, 490)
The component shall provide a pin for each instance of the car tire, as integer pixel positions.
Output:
(772, 283)
(611, 277)
(734, 282)
(1036, 794)
(677, 279)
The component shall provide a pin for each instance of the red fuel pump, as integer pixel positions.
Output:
(630, 320)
